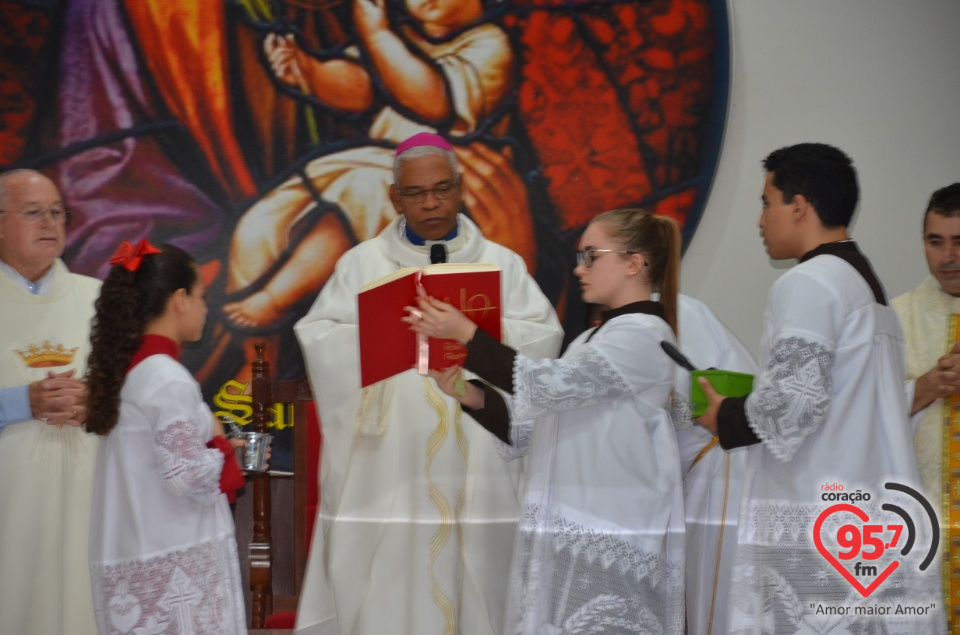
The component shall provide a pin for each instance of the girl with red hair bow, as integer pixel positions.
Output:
(163, 555)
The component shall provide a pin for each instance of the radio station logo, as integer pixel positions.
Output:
(866, 549)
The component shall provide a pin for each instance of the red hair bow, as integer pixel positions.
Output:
(130, 257)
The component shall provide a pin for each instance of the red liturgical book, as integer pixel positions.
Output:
(387, 345)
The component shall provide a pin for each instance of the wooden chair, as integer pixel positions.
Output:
(279, 539)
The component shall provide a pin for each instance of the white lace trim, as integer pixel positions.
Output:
(554, 385)
(781, 578)
(186, 465)
(794, 396)
(681, 412)
(521, 434)
(195, 590)
(797, 591)
(569, 578)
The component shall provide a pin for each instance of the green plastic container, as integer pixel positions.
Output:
(726, 382)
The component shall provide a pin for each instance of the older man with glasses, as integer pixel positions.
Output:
(418, 510)
(46, 458)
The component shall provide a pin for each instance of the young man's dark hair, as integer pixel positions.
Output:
(945, 201)
(822, 174)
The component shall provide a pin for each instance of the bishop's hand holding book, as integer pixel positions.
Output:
(388, 346)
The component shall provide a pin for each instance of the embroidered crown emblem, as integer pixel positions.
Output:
(47, 355)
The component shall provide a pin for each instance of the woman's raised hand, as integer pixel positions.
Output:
(434, 318)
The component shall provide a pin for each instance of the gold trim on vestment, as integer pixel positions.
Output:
(723, 525)
(463, 444)
(703, 452)
(442, 536)
(950, 549)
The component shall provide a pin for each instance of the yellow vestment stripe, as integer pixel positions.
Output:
(723, 526)
(951, 496)
(442, 535)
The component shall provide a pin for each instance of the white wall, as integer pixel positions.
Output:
(879, 79)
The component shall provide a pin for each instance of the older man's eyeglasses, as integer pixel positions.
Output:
(587, 257)
(442, 192)
(35, 216)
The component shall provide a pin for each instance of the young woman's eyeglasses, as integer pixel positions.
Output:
(442, 192)
(57, 215)
(587, 257)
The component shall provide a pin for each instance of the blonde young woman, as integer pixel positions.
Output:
(600, 542)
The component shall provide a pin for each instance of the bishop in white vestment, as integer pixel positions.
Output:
(418, 510)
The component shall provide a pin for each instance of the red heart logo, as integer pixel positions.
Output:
(862, 515)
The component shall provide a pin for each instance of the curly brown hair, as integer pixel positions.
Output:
(128, 301)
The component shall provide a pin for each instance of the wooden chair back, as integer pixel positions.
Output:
(275, 569)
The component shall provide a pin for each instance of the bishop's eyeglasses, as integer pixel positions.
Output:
(587, 257)
(442, 192)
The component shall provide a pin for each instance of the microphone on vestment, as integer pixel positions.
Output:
(438, 253)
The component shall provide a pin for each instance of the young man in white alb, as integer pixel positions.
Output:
(827, 408)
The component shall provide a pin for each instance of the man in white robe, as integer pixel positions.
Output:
(828, 414)
(418, 511)
(712, 476)
(46, 459)
(933, 366)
